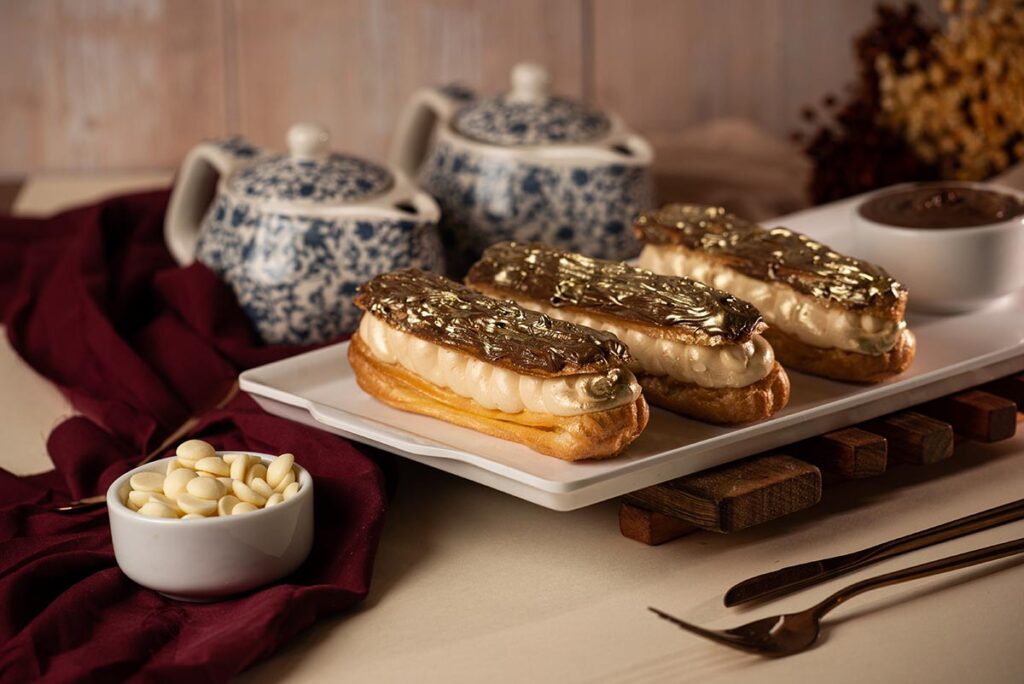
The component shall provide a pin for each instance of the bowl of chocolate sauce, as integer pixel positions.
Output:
(957, 246)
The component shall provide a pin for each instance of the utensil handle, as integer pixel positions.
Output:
(802, 575)
(950, 530)
(961, 560)
(90, 502)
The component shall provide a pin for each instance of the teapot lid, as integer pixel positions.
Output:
(310, 173)
(528, 115)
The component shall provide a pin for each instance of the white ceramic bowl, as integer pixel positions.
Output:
(947, 270)
(205, 559)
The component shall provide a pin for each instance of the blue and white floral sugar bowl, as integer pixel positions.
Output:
(525, 166)
(295, 234)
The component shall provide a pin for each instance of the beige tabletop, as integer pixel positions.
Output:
(473, 585)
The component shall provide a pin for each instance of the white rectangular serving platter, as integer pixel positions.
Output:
(954, 352)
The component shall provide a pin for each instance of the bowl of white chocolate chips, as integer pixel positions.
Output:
(205, 524)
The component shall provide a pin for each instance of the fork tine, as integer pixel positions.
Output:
(717, 637)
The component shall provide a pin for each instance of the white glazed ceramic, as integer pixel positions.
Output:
(947, 270)
(953, 353)
(295, 234)
(207, 559)
(527, 166)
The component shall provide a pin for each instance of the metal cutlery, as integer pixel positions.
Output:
(786, 580)
(784, 635)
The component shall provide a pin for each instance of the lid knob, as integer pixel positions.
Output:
(529, 83)
(307, 141)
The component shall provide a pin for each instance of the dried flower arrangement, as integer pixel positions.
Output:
(928, 104)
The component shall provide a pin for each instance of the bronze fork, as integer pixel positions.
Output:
(784, 635)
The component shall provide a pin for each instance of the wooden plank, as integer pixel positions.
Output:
(976, 415)
(668, 64)
(650, 527)
(736, 495)
(851, 453)
(108, 85)
(1011, 388)
(353, 65)
(914, 438)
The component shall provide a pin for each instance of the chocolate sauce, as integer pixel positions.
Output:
(776, 255)
(451, 315)
(700, 313)
(938, 205)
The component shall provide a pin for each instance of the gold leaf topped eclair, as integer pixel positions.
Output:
(432, 346)
(696, 350)
(830, 314)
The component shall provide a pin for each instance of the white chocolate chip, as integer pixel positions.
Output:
(260, 486)
(213, 464)
(198, 483)
(245, 493)
(285, 481)
(155, 509)
(165, 500)
(243, 507)
(258, 470)
(226, 504)
(174, 484)
(238, 467)
(278, 468)
(206, 488)
(290, 491)
(193, 504)
(138, 499)
(193, 450)
(147, 481)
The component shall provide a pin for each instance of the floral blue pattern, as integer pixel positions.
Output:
(503, 121)
(296, 276)
(487, 199)
(337, 178)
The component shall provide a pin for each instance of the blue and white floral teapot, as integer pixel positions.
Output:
(525, 166)
(295, 234)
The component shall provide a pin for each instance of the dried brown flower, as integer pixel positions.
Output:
(963, 107)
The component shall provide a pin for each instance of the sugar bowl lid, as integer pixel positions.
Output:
(310, 173)
(529, 115)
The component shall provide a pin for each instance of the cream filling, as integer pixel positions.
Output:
(727, 365)
(494, 387)
(795, 313)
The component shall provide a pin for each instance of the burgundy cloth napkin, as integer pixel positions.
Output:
(93, 301)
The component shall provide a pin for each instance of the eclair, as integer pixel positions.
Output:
(696, 350)
(431, 346)
(828, 314)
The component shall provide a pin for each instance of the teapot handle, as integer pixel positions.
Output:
(427, 107)
(194, 189)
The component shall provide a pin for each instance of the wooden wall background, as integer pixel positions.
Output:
(132, 84)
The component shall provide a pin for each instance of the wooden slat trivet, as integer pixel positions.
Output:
(976, 415)
(737, 495)
(710, 499)
(650, 527)
(1011, 388)
(914, 438)
(850, 453)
